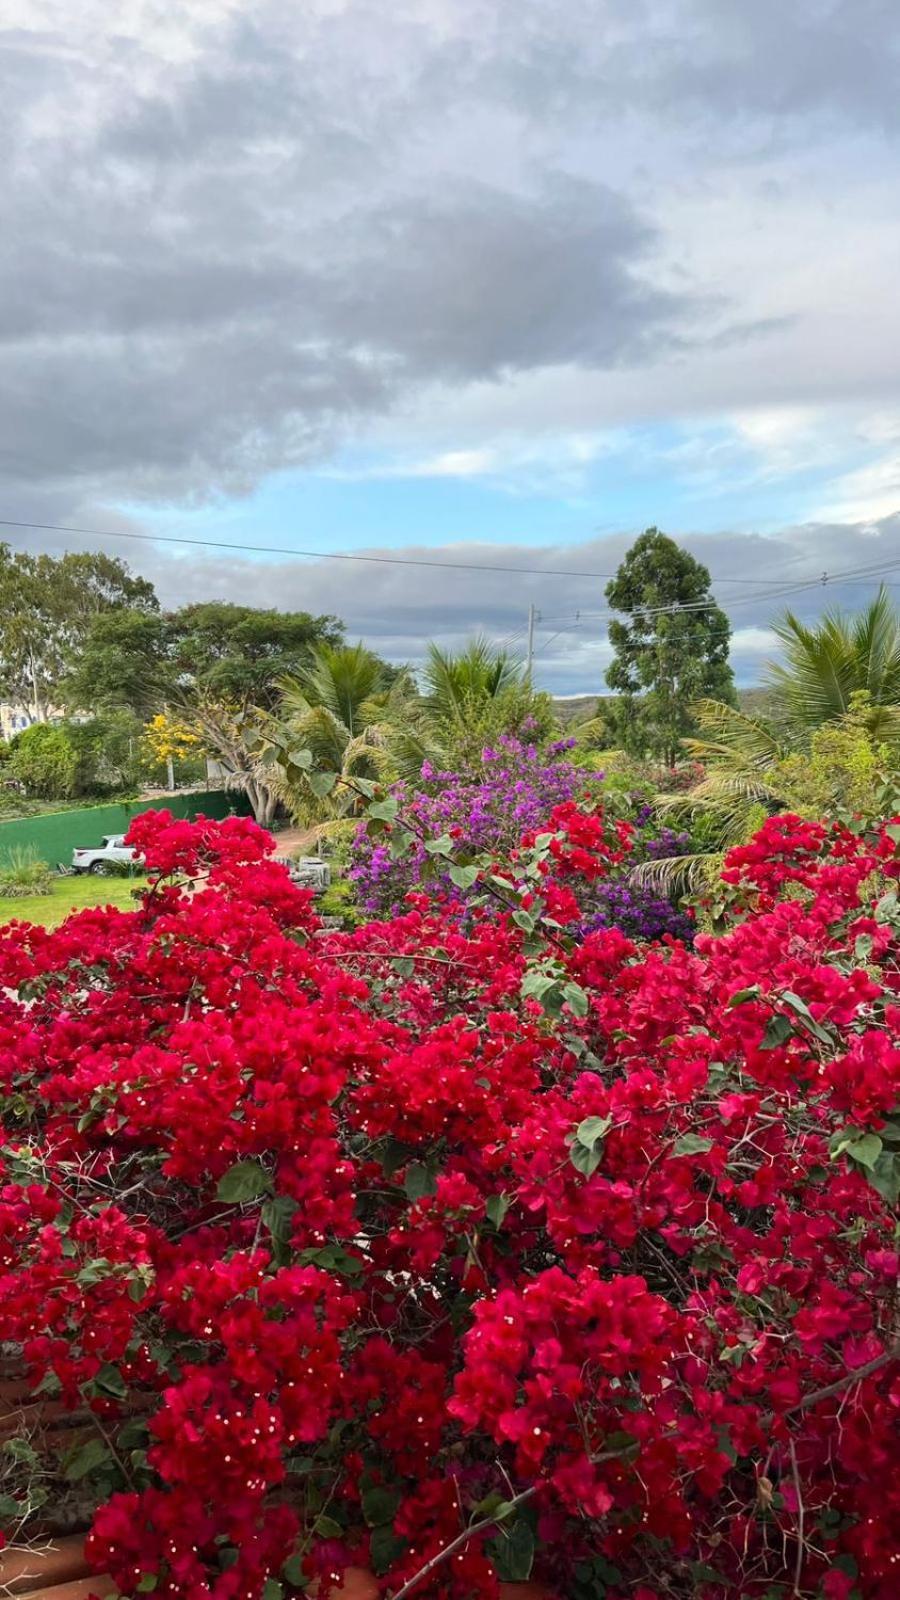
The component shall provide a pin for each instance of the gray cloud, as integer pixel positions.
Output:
(237, 233)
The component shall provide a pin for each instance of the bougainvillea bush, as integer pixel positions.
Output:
(513, 788)
(456, 1247)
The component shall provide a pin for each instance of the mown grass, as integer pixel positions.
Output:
(69, 894)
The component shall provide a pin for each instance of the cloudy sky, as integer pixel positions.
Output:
(486, 281)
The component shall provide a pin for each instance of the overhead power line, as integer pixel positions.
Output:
(396, 561)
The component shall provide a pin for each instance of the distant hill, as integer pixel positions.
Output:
(756, 702)
(762, 703)
(578, 709)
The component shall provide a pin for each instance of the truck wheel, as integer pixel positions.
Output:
(100, 869)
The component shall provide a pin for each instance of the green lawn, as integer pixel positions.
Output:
(69, 894)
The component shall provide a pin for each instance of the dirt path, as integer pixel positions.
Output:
(295, 842)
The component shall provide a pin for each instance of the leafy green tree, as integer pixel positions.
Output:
(670, 651)
(452, 682)
(238, 653)
(826, 664)
(110, 751)
(226, 654)
(47, 608)
(238, 740)
(122, 662)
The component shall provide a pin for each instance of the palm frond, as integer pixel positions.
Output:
(480, 672)
(729, 735)
(680, 874)
(826, 664)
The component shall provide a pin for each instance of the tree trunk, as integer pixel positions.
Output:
(39, 712)
(263, 802)
(170, 774)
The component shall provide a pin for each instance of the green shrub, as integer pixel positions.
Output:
(22, 872)
(45, 761)
(98, 757)
(339, 900)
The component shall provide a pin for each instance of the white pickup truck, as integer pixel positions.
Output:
(109, 857)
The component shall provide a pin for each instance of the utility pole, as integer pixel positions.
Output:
(533, 615)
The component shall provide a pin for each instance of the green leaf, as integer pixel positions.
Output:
(293, 1573)
(246, 1180)
(862, 948)
(322, 783)
(109, 1382)
(301, 758)
(512, 1553)
(778, 1031)
(586, 1160)
(865, 1150)
(379, 1506)
(884, 1177)
(591, 1130)
(440, 847)
(893, 832)
(132, 1435)
(576, 999)
(497, 1207)
(886, 908)
(701, 1573)
(327, 1528)
(86, 1459)
(692, 1144)
(334, 1258)
(801, 1010)
(277, 1215)
(525, 920)
(418, 1181)
(272, 1590)
(463, 877)
(385, 1547)
(147, 1583)
(384, 810)
(487, 1506)
(743, 995)
(366, 786)
(404, 966)
(401, 841)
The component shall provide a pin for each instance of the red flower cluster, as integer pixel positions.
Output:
(352, 1243)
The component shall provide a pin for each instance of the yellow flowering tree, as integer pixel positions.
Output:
(168, 739)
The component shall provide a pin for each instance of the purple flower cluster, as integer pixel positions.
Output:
(512, 789)
(662, 844)
(486, 810)
(640, 913)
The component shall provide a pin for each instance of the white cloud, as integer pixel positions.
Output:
(865, 495)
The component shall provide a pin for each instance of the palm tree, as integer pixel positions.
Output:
(342, 708)
(468, 698)
(826, 664)
(479, 673)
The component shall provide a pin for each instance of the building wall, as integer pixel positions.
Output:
(56, 834)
